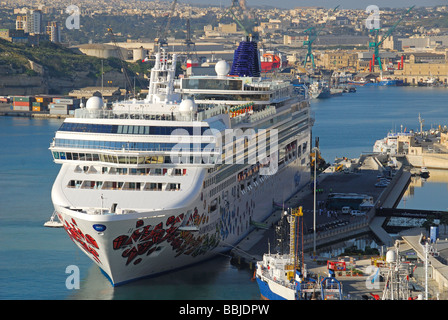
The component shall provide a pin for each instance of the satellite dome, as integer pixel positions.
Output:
(391, 256)
(187, 105)
(94, 103)
(222, 68)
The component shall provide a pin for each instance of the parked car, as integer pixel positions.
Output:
(381, 184)
(357, 213)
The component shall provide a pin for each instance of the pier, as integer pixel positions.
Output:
(360, 180)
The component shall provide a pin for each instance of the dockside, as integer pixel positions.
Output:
(360, 178)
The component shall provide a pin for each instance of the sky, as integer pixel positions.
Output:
(344, 4)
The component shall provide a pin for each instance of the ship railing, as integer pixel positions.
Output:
(136, 115)
(126, 148)
(254, 117)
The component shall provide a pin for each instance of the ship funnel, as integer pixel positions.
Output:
(246, 60)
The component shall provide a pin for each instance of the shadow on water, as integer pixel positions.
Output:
(215, 279)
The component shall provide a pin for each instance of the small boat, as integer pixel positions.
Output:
(53, 222)
(424, 172)
(283, 276)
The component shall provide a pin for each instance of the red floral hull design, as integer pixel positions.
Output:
(145, 240)
(84, 240)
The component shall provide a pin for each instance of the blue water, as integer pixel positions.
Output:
(350, 124)
(33, 259)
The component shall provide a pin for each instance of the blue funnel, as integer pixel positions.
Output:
(246, 61)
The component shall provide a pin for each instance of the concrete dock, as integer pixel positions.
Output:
(362, 180)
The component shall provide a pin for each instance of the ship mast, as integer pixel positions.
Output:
(162, 78)
(397, 282)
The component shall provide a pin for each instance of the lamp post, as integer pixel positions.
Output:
(315, 150)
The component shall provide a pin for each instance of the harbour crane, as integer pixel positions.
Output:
(313, 33)
(376, 43)
(162, 41)
(235, 4)
(128, 84)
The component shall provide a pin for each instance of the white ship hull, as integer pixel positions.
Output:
(137, 245)
(141, 191)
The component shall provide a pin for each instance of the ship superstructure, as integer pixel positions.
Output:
(149, 186)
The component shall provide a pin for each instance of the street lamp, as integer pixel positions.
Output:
(315, 150)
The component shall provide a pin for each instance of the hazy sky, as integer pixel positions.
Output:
(344, 4)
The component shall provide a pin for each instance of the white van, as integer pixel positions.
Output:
(357, 213)
(346, 210)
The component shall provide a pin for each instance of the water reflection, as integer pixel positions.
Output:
(427, 194)
(216, 279)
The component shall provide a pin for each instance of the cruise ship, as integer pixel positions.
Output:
(153, 185)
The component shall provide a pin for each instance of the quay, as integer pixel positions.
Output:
(362, 180)
(363, 175)
(32, 114)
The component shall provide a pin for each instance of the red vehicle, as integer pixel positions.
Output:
(336, 265)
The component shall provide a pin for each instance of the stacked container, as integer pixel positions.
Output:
(22, 103)
(41, 103)
(63, 105)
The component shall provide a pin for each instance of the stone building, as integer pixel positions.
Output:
(418, 68)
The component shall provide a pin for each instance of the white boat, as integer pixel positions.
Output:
(53, 222)
(284, 276)
(424, 172)
(390, 144)
(149, 186)
(319, 90)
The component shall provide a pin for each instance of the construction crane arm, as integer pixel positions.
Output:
(234, 18)
(392, 29)
(121, 58)
(162, 40)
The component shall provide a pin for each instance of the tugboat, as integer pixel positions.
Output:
(283, 276)
(424, 172)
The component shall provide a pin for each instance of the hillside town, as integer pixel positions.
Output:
(299, 43)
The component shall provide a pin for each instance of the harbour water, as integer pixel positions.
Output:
(33, 259)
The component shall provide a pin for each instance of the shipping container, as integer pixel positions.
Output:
(65, 101)
(43, 99)
(37, 104)
(59, 106)
(36, 108)
(58, 111)
(21, 104)
(23, 99)
(21, 108)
